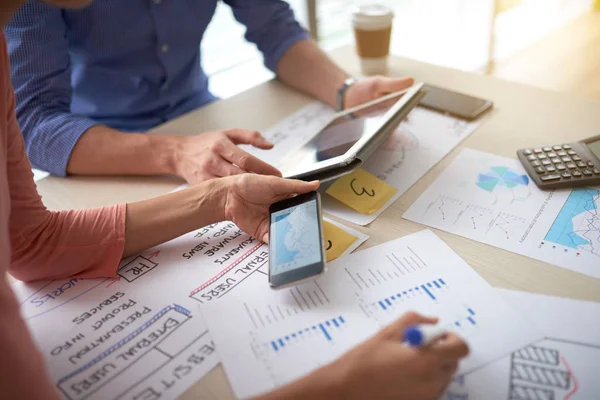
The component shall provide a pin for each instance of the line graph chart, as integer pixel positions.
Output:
(577, 225)
(489, 198)
(482, 219)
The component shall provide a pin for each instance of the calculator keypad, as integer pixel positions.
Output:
(560, 162)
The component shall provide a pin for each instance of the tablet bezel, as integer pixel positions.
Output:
(352, 153)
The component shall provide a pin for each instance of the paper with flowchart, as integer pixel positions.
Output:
(128, 338)
(563, 365)
(141, 334)
(271, 337)
(491, 199)
(419, 143)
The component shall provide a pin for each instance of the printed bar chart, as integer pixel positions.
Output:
(325, 328)
(429, 289)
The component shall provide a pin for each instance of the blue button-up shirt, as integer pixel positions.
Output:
(128, 64)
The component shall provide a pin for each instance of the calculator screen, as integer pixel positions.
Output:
(594, 147)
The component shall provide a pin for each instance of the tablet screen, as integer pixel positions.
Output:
(338, 136)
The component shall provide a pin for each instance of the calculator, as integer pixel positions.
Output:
(563, 165)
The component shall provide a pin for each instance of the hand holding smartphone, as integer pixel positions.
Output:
(296, 250)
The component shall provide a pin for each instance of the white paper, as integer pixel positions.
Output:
(145, 322)
(267, 338)
(109, 339)
(563, 365)
(140, 334)
(491, 199)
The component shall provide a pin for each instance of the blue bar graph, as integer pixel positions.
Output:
(325, 332)
(428, 288)
(469, 318)
(324, 328)
(428, 292)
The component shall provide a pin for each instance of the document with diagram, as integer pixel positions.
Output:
(267, 338)
(491, 199)
(561, 366)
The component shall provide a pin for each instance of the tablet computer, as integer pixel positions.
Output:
(346, 141)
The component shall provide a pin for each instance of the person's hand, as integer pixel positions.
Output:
(372, 88)
(215, 154)
(246, 199)
(385, 368)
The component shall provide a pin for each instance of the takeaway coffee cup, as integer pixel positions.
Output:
(372, 30)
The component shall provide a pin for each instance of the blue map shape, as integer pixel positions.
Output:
(283, 254)
(501, 176)
(562, 230)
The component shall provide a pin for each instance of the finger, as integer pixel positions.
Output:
(262, 232)
(450, 347)
(244, 136)
(441, 380)
(396, 329)
(247, 161)
(449, 368)
(384, 85)
(284, 188)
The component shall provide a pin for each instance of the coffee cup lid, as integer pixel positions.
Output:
(372, 16)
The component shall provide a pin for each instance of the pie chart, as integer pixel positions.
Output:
(501, 176)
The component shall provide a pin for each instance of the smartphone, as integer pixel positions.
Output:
(296, 251)
(456, 104)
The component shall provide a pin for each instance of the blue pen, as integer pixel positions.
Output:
(422, 335)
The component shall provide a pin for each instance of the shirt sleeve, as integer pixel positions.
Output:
(41, 76)
(271, 25)
(54, 244)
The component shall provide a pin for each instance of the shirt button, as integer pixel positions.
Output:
(164, 48)
(157, 1)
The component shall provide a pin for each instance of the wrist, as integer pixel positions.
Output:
(165, 153)
(342, 93)
(211, 200)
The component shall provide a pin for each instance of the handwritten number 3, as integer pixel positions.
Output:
(364, 191)
(329, 245)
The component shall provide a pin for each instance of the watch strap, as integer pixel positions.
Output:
(339, 104)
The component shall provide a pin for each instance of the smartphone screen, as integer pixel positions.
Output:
(453, 103)
(295, 240)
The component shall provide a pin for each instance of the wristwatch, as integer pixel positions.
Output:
(339, 104)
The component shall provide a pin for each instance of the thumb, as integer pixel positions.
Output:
(284, 188)
(396, 329)
(391, 85)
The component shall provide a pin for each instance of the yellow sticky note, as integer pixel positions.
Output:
(362, 191)
(337, 240)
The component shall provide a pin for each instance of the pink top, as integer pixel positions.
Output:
(36, 243)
